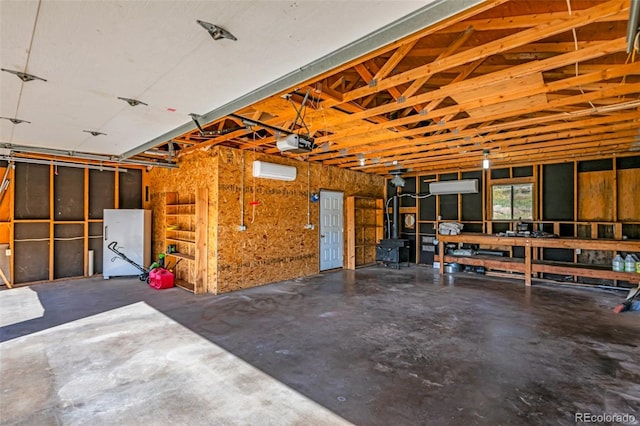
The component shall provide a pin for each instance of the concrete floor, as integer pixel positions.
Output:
(369, 347)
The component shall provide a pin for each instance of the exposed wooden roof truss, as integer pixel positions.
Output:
(524, 81)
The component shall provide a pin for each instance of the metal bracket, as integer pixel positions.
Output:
(15, 120)
(23, 75)
(216, 32)
(94, 132)
(132, 102)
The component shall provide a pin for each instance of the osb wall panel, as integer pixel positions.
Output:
(595, 196)
(197, 170)
(275, 246)
(628, 193)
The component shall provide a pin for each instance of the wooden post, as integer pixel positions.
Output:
(12, 185)
(537, 193)
(379, 220)
(351, 232)
(116, 186)
(576, 216)
(146, 196)
(441, 254)
(615, 196)
(527, 263)
(86, 222)
(51, 224)
(202, 232)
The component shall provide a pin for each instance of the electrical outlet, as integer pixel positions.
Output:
(310, 226)
(7, 252)
(578, 251)
(242, 228)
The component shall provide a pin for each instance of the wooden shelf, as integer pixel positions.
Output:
(181, 240)
(188, 212)
(182, 256)
(583, 270)
(490, 262)
(185, 285)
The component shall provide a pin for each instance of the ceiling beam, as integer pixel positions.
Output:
(522, 21)
(470, 162)
(436, 14)
(557, 133)
(576, 20)
(483, 82)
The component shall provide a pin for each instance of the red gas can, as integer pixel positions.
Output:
(160, 278)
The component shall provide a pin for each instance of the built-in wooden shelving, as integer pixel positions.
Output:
(364, 230)
(185, 238)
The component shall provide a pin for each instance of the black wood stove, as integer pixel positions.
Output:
(393, 251)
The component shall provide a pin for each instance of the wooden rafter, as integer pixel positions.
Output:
(578, 19)
(469, 84)
(501, 76)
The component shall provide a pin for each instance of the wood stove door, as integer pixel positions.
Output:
(331, 230)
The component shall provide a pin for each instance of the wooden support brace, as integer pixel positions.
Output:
(527, 263)
(4, 279)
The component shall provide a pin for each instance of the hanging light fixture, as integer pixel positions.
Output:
(485, 160)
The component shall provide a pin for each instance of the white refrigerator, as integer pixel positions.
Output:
(129, 232)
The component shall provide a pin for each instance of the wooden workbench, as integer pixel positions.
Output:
(530, 265)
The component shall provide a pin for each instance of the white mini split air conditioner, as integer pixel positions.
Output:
(469, 186)
(273, 171)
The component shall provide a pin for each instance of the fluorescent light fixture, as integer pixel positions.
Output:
(273, 171)
(468, 186)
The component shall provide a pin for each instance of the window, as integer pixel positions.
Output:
(512, 202)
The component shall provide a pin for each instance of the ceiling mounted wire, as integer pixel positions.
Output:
(575, 43)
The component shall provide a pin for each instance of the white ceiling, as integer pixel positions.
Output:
(92, 52)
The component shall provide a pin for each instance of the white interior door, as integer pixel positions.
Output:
(331, 230)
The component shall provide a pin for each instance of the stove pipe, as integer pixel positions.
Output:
(396, 218)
